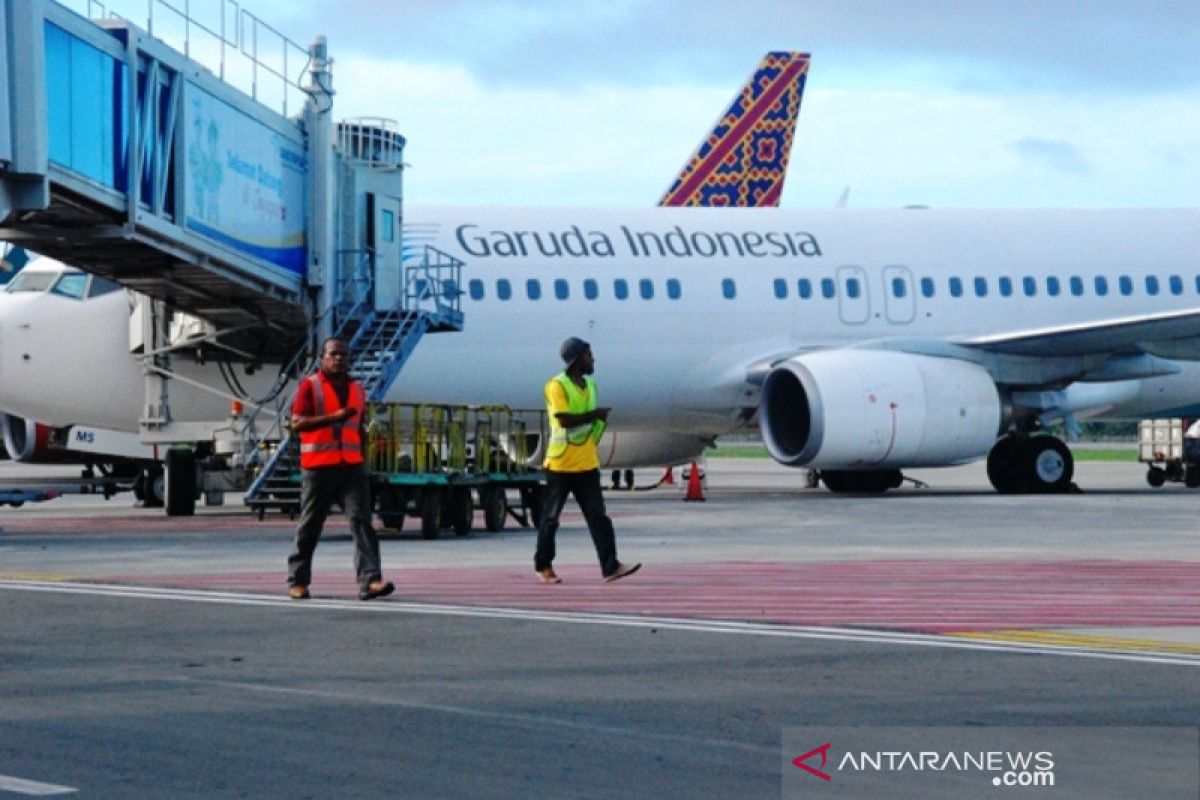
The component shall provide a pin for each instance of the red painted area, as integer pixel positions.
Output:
(930, 596)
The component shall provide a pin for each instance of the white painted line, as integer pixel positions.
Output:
(34, 788)
(618, 620)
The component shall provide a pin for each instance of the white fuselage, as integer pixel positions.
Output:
(683, 307)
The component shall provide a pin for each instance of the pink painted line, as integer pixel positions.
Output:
(926, 596)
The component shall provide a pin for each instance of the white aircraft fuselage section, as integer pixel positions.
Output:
(686, 309)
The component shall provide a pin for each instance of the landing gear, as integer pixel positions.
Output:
(1038, 464)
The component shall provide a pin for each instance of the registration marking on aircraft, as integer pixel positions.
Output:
(33, 788)
(831, 633)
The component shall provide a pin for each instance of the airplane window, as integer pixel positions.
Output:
(673, 289)
(590, 291)
(804, 287)
(899, 287)
(1151, 284)
(476, 288)
(1029, 286)
(1176, 284)
(980, 286)
(503, 289)
(1102, 285)
(1053, 287)
(1076, 285)
(646, 287)
(561, 289)
(927, 287)
(827, 287)
(956, 287)
(101, 286)
(533, 288)
(1126, 284)
(728, 288)
(852, 288)
(780, 288)
(71, 284)
(1005, 286)
(33, 281)
(620, 288)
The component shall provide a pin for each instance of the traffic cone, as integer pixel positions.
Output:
(695, 490)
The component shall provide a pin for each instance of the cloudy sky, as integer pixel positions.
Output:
(948, 103)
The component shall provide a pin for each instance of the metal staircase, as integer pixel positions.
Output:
(380, 343)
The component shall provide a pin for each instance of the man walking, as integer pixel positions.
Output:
(573, 463)
(328, 416)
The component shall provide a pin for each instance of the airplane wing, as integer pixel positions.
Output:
(1171, 334)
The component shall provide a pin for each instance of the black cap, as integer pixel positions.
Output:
(572, 349)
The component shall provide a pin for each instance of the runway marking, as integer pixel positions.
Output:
(34, 576)
(1084, 640)
(35, 788)
(830, 633)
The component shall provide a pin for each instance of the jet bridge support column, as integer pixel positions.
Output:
(318, 122)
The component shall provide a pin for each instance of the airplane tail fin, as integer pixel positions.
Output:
(743, 161)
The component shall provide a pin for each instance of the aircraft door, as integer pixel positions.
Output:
(899, 295)
(854, 302)
(384, 240)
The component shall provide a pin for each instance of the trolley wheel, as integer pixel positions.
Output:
(431, 513)
(462, 510)
(531, 498)
(1156, 476)
(495, 507)
(392, 505)
(180, 489)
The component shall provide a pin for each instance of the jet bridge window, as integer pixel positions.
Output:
(1176, 284)
(1126, 284)
(533, 288)
(72, 284)
(956, 287)
(780, 288)
(1029, 286)
(590, 290)
(981, 288)
(927, 287)
(1101, 286)
(1151, 285)
(101, 286)
(673, 289)
(646, 288)
(728, 288)
(562, 289)
(1053, 287)
(620, 289)
(503, 289)
(1076, 285)
(475, 286)
(1006, 287)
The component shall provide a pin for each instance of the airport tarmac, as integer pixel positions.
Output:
(138, 647)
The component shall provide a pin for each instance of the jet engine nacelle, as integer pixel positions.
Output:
(872, 409)
(25, 440)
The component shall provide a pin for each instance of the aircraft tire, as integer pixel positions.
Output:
(1004, 467)
(180, 489)
(1049, 465)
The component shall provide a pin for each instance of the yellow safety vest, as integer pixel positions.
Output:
(578, 402)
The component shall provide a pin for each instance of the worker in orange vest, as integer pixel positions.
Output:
(327, 413)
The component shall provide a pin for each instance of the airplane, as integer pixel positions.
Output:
(741, 162)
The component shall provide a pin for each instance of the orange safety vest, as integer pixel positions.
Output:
(332, 445)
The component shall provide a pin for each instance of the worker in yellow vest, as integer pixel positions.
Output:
(327, 414)
(573, 463)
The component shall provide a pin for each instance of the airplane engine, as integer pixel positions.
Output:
(629, 449)
(25, 440)
(873, 409)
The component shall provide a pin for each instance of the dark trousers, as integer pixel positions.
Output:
(321, 489)
(586, 488)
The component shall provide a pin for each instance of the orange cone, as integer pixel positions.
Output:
(695, 490)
